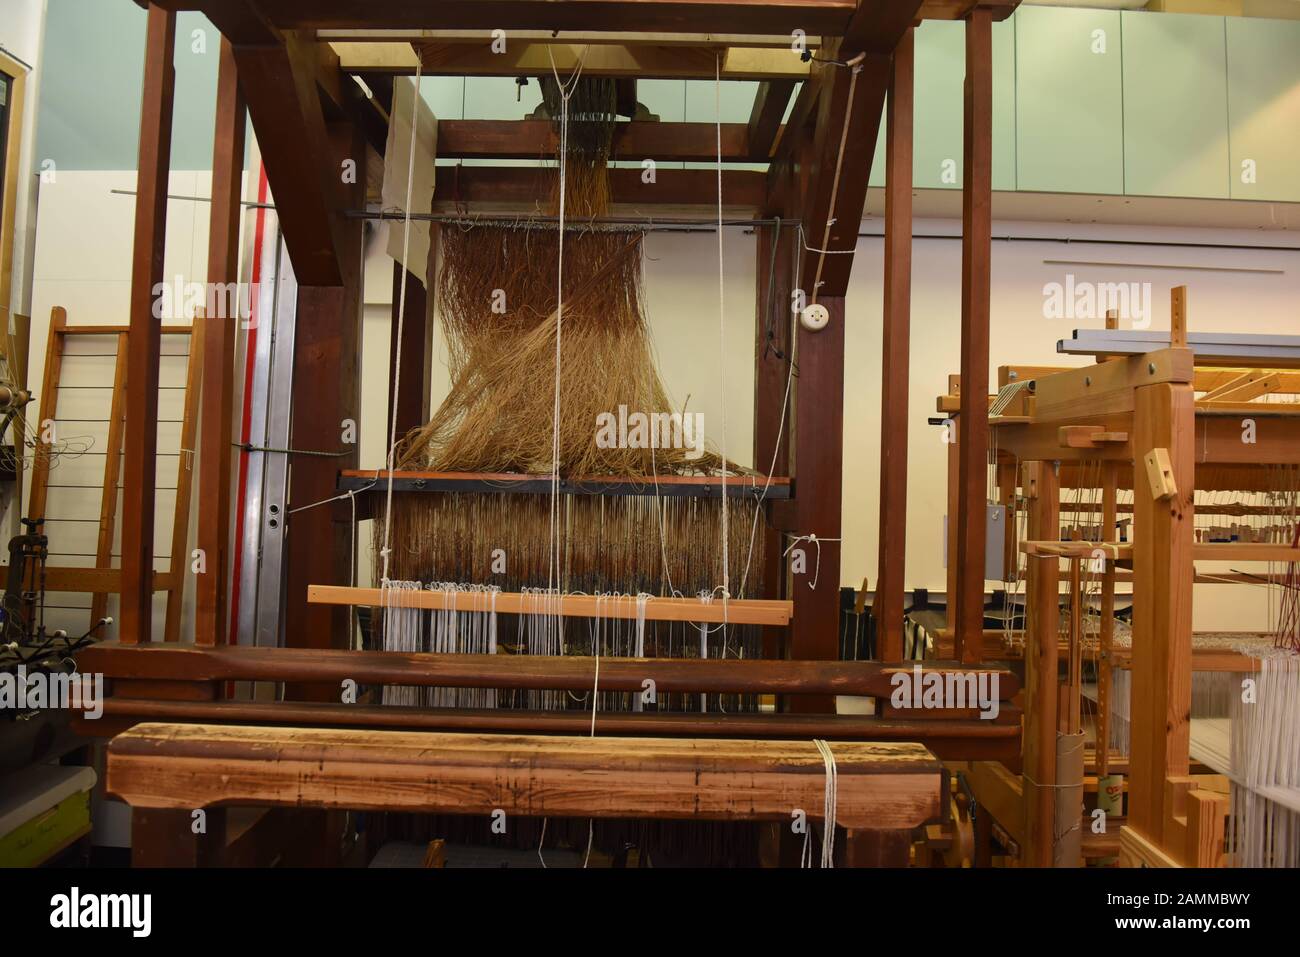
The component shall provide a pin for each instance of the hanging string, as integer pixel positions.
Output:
(401, 316)
(855, 67)
(722, 353)
(815, 541)
(566, 91)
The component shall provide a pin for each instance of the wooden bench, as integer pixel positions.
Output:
(883, 788)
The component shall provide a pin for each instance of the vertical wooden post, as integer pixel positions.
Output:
(412, 409)
(773, 347)
(218, 374)
(976, 264)
(140, 459)
(895, 356)
(49, 412)
(1042, 485)
(1164, 417)
(180, 547)
(112, 472)
(1109, 509)
(819, 476)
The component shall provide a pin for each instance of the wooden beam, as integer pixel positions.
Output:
(949, 739)
(218, 335)
(770, 101)
(522, 58)
(977, 195)
(638, 16)
(637, 140)
(878, 25)
(306, 179)
(189, 766)
(139, 463)
(1162, 606)
(1042, 653)
(895, 356)
(849, 111)
(412, 408)
(181, 662)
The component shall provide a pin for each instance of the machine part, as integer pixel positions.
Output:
(814, 317)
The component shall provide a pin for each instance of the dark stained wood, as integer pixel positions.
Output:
(772, 370)
(625, 96)
(412, 409)
(217, 401)
(635, 141)
(877, 26)
(848, 118)
(895, 357)
(877, 848)
(815, 17)
(529, 672)
(977, 193)
(818, 465)
(770, 101)
(139, 466)
(672, 187)
(164, 837)
(949, 740)
(305, 176)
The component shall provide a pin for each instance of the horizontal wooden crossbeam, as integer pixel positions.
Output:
(736, 612)
(879, 785)
(175, 662)
(513, 483)
(636, 141)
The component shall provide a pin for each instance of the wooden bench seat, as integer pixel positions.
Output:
(882, 786)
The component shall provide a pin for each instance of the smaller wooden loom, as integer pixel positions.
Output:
(102, 578)
(1067, 429)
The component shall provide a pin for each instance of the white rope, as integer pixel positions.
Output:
(816, 541)
(401, 316)
(722, 355)
(855, 67)
(566, 91)
(829, 803)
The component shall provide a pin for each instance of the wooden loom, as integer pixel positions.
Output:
(1137, 421)
(102, 578)
(303, 128)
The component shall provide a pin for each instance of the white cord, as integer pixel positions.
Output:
(401, 316)
(816, 541)
(722, 355)
(829, 802)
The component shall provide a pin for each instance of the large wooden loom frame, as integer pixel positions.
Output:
(1116, 413)
(308, 116)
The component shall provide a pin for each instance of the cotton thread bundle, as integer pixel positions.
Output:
(1264, 827)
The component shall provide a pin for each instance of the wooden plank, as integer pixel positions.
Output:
(1244, 552)
(218, 378)
(957, 740)
(180, 541)
(737, 611)
(112, 473)
(1042, 653)
(1106, 631)
(895, 355)
(48, 414)
(69, 579)
(638, 16)
(188, 766)
(280, 84)
(1162, 606)
(635, 141)
(527, 672)
(525, 58)
(139, 468)
(770, 102)
(977, 194)
(1260, 385)
(1107, 388)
